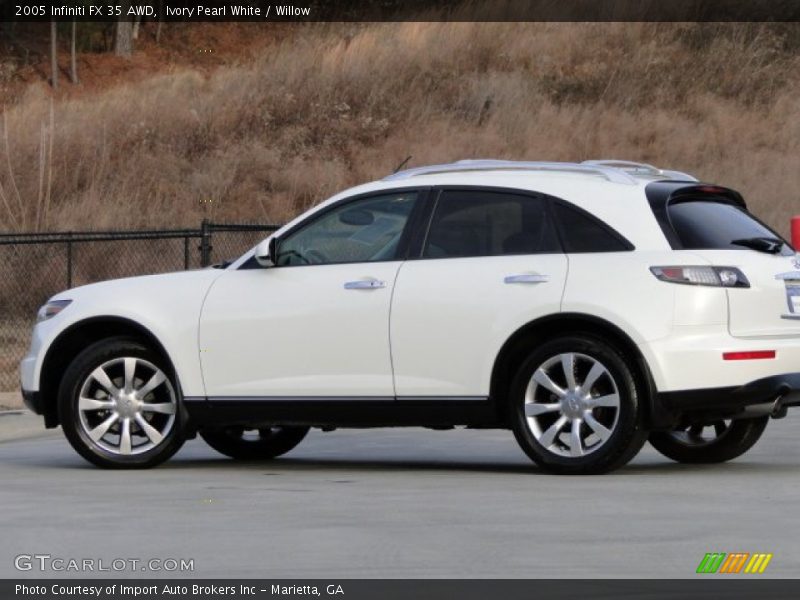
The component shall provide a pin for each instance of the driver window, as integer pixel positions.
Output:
(365, 230)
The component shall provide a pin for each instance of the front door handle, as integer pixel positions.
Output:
(526, 278)
(365, 284)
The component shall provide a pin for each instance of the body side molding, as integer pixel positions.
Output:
(336, 411)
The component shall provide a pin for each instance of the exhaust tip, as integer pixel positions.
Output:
(779, 410)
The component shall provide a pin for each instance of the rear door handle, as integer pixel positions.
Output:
(365, 284)
(526, 278)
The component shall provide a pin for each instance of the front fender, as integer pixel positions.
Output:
(166, 306)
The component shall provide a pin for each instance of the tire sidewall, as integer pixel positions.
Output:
(628, 432)
(69, 391)
(742, 435)
(234, 446)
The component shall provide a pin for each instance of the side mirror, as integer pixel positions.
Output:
(266, 252)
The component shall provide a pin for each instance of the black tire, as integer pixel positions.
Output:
(254, 444)
(729, 441)
(621, 424)
(143, 451)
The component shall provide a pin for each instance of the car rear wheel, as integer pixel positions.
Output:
(715, 442)
(575, 407)
(254, 444)
(119, 405)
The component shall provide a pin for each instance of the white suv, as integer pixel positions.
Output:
(585, 306)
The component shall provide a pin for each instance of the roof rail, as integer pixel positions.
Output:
(609, 173)
(616, 171)
(641, 169)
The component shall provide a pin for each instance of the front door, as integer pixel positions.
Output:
(317, 324)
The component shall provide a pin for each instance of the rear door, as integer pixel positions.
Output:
(490, 262)
(723, 232)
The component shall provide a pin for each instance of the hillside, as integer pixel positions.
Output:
(283, 118)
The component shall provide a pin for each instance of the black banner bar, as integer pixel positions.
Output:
(730, 587)
(399, 10)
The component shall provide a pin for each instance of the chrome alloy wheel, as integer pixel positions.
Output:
(127, 406)
(572, 404)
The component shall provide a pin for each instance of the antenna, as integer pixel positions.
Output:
(402, 164)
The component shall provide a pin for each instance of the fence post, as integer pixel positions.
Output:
(69, 260)
(205, 243)
(186, 253)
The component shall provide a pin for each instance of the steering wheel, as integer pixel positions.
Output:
(314, 257)
(305, 256)
(294, 254)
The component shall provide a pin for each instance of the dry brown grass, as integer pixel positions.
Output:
(334, 105)
(339, 104)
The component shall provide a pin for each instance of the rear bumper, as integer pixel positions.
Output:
(770, 395)
(692, 359)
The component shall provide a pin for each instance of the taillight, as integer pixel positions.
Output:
(728, 277)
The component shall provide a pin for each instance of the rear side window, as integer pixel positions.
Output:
(482, 223)
(711, 225)
(581, 233)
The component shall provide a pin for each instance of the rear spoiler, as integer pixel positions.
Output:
(708, 192)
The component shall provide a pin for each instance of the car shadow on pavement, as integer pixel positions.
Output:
(321, 466)
(290, 465)
(66, 459)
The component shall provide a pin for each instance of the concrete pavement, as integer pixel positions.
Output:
(402, 503)
(21, 424)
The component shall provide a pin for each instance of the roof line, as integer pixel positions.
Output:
(637, 168)
(615, 171)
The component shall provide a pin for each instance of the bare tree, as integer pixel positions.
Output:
(73, 59)
(160, 21)
(53, 55)
(123, 41)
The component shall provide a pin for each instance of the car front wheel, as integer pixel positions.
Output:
(119, 405)
(576, 408)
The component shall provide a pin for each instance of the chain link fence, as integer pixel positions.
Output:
(34, 267)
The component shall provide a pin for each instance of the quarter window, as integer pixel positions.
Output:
(478, 223)
(581, 233)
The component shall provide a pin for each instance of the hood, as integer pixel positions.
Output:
(151, 300)
(175, 282)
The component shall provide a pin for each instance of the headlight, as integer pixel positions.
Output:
(51, 309)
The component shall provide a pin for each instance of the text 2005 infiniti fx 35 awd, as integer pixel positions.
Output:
(587, 307)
